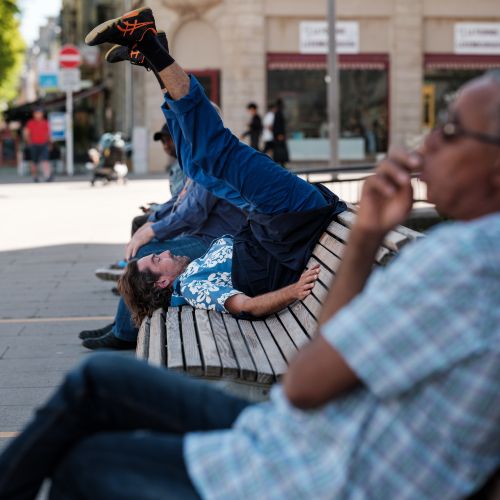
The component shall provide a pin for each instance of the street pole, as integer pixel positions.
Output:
(69, 133)
(333, 88)
(129, 96)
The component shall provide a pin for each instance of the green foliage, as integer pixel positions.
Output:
(12, 49)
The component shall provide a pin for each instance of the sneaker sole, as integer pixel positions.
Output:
(110, 23)
(108, 276)
(109, 52)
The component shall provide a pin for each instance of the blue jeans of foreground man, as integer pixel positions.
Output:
(190, 247)
(114, 431)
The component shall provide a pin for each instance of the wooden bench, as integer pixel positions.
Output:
(247, 357)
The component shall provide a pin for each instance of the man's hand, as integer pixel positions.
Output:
(273, 302)
(304, 286)
(387, 196)
(142, 237)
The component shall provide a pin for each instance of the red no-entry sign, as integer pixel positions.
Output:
(70, 57)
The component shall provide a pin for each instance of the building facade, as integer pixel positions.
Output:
(403, 66)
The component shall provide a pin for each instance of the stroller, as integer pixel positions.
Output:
(108, 159)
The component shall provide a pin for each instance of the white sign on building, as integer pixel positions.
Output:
(314, 37)
(69, 80)
(477, 38)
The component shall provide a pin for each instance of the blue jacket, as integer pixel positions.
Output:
(198, 214)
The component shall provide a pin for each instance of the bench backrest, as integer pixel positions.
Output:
(214, 345)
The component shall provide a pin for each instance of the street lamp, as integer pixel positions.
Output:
(333, 86)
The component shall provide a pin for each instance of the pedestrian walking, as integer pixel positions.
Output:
(254, 126)
(267, 131)
(279, 131)
(37, 137)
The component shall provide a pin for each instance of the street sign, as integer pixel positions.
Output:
(57, 123)
(70, 57)
(47, 74)
(69, 80)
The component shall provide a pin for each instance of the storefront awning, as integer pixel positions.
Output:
(461, 61)
(293, 61)
(24, 111)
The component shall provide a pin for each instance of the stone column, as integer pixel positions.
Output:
(243, 73)
(406, 71)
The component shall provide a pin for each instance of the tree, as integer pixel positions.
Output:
(12, 49)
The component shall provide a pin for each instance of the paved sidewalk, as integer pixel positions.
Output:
(53, 238)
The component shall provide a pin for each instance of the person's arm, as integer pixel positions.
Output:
(27, 134)
(319, 373)
(273, 302)
(191, 214)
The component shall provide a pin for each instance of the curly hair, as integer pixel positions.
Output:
(140, 294)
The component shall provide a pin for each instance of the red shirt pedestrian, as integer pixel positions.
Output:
(39, 131)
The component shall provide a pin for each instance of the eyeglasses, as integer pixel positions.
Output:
(451, 130)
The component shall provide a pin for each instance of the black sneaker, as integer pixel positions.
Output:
(94, 334)
(115, 291)
(126, 30)
(119, 53)
(108, 341)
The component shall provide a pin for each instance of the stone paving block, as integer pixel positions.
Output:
(16, 380)
(15, 418)
(31, 396)
(39, 364)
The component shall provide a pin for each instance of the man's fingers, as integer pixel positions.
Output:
(410, 161)
(394, 173)
(380, 185)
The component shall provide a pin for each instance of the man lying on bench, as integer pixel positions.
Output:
(258, 272)
(397, 397)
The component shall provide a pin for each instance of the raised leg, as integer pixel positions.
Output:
(215, 151)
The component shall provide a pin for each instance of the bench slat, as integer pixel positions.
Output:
(320, 292)
(276, 359)
(313, 305)
(293, 328)
(142, 350)
(228, 361)
(245, 362)
(175, 360)
(305, 318)
(383, 255)
(191, 351)
(157, 338)
(325, 276)
(209, 354)
(393, 240)
(331, 261)
(284, 342)
(264, 370)
(334, 245)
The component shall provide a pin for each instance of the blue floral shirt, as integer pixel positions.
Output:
(206, 283)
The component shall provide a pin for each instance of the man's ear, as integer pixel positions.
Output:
(162, 282)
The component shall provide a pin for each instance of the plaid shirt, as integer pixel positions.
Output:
(424, 339)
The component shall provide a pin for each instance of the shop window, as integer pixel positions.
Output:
(445, 83)
(210, 82)
(363, 111)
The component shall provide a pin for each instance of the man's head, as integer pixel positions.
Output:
(252, 108)
(38, 114)
(272, 107)
(166, 140)
(280, 104)
(462, 173)
(146, 284)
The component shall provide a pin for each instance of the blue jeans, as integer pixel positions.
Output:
(213, 157)
(114, 430)
(193, 248)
